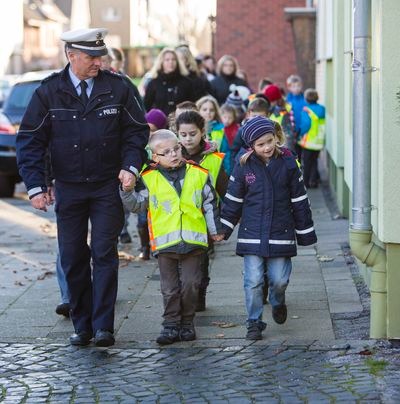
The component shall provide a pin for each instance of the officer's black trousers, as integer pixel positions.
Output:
(93, 293)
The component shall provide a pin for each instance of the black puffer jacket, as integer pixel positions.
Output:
(201, 86)
(220, 86)
(167, 90)
(273, 206)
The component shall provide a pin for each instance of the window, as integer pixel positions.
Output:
(111, 14)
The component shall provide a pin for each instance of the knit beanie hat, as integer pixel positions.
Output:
(243, 91)
(256, 127)
(272, 92)
(235, 100)
(157, 118)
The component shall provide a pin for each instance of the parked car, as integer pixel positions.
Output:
(10, 118)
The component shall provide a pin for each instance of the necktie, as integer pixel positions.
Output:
(84, 96)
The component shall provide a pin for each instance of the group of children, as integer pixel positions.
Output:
(205, 174)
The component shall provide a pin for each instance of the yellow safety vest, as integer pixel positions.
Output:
(173, 218)
(314, 139)
(217, 135)
(282, 113)
(213, 163)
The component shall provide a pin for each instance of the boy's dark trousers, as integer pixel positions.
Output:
(310, 167)
(180, 276)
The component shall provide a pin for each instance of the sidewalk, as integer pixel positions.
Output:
(318, 355)
(321, 286)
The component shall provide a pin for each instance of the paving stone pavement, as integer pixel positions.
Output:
(321, 354)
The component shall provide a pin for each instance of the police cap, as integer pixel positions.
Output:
(88, 40)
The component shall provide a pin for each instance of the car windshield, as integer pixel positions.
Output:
(20, 96)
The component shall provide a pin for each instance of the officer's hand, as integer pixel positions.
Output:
(128, 180)
(40, 202)
(51, 196)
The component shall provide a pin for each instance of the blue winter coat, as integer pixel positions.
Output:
(272, 203)
(87, 143)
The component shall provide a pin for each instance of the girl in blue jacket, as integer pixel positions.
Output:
(266, 191)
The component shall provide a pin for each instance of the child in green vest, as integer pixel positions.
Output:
(190, 126)
(182, 206)
(312, 137)
(209, 110)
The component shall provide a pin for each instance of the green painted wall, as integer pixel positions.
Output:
(393, 284)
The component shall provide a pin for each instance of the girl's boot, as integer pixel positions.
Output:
(144, 243)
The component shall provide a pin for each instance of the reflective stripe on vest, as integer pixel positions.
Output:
(314, 139)
(213, 163)
(173, 218)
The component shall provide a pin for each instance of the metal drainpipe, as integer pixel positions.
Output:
(360, 228)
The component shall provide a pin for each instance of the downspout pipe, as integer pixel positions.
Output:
(360, 235)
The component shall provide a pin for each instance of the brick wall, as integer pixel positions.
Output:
(257, 33)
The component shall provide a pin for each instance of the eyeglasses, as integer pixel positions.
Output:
(169, 152)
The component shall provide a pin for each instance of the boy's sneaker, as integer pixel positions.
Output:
(254, 330)
(279, 313)
(168, 335)
(188, 332)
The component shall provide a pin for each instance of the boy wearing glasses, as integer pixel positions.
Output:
(181, 207)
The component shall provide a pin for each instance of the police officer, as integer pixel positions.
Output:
(93, 124)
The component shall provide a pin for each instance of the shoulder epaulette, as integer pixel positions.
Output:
(51, 76)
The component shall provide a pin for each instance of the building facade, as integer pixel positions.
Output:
(269, 38)
(336, 69)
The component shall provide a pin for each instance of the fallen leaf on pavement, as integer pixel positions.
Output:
(18, 283)
(220, 336)
(295, 317)
(325, 258)
(223, 324)
(44, 275)
(122, 255)
(365, 352)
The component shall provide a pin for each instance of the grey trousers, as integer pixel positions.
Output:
(180, 287)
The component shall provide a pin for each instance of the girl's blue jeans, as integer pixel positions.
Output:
(278, 271)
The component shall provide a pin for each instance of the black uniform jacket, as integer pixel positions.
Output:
(87, 143)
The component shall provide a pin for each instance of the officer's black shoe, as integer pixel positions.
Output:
(168, 335)
(104, 338)
(188, 332)
(80, 338)
(125, 238)
(63, 309)
(279, 313)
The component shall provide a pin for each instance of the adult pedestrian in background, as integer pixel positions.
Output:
(201, 86)
(227, 68)
(93, 125)
(208, 63)
(114, 62)
(169, 84)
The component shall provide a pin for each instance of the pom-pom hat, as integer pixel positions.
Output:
(256, 127)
